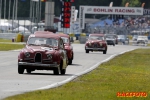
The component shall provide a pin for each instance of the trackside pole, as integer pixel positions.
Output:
(49, 16)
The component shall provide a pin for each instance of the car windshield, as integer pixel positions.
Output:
(43, 41)
(135, 36)
(121, 36)
(65, 39)
(96, 38)
(142, 37)
(110, 37)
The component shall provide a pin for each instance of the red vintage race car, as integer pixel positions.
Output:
(68, 47)
(43, 51)
(96, 42)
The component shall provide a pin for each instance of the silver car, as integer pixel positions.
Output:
(123, 39)
(142, 40)
(110, 40)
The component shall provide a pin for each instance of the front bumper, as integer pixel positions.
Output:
(110, 42)
(142, 41)
(95, 49)
(38, 64)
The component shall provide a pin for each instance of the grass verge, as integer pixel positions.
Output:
(128, 72)
(5, 40)
(8, 46)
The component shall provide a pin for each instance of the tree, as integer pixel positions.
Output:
(132, 3)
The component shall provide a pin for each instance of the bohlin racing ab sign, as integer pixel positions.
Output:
(107, 10)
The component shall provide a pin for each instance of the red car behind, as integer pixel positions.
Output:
(68, 47)
(96, 42)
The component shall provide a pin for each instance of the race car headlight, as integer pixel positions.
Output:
(49, 56)
(27, 54)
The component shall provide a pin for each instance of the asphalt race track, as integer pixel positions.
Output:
(12, 83)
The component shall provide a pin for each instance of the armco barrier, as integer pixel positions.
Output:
(82, 39)
(25, 37)
(13, 36)
(7, 35)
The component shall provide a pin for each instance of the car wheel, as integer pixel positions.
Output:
(56, 71)
(20, 69)
(87, 51)
(104, 52)
(28, 70)
(63, 71)
(114, 44)
(70, 61)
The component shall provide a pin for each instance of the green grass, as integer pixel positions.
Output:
(5, 40)
(129, 72)
(8, 46)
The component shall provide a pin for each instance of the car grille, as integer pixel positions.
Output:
(95, 45)
(109, 41)
(38, 57)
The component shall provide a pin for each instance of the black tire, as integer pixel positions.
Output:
(56, 71)
(87, 51)
(104, 52)
(63, 71)
(28, 71)
(114, 44)
(70, 61)
(20, 69)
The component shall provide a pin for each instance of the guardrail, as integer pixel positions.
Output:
(14, 36)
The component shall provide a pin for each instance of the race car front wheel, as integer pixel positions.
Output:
(20, 69)
(87, 51)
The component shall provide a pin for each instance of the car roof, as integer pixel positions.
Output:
(110, 34)
(96, 35)
(45, 34)
(142, 36)
(63, 35)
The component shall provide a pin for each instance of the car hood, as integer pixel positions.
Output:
(141, 39)
(121, 38)
(93, 41)
(38, 49)
(109, 39)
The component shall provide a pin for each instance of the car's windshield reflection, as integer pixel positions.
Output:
(37, 41)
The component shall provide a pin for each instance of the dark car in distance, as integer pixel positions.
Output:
(111, 40)
(123, 39)
(113, 37)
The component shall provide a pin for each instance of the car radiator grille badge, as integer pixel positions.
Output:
(38, 57)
